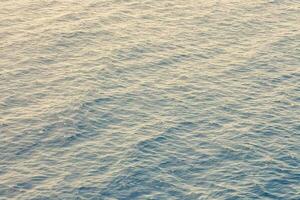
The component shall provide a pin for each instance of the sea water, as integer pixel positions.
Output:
(149, 99)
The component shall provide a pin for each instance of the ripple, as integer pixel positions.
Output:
(149, 100)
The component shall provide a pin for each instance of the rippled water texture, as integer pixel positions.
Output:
(149, 99)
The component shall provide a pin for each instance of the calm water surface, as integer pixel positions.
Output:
(148, 99)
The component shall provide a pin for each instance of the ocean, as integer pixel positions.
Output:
(148, 99)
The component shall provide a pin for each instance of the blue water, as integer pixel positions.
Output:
(161, 100)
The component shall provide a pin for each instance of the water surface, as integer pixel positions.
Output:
(170, 99)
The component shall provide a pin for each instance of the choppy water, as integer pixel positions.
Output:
(171, 99)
